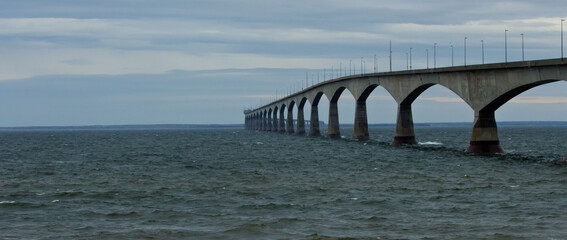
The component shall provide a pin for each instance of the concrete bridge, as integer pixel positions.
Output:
(483, 87)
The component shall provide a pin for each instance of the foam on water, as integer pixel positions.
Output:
(430, 143)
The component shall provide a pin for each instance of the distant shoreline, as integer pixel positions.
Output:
(241, 126)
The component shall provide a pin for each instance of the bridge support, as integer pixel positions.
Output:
(264, 123)
(269, 123)
(360, 122)
(300, 122)
(282, 121)
(404, 126)
(484, 137)
(290, 121)
(275, 122)
(333, 128)
(314, 123)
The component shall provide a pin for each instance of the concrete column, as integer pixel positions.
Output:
(290, 121)
(360, 122)
(257, 123)
(300, 122)
(264, 123)
(333, 129)
(484, 137)
(269, 123)
(282, 123)
(404, 126)
(275, 122)
(314, 123)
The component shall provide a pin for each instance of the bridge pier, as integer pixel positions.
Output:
(282, 121)
(314, 123)
(264, 122)
(484, 138)
(404, 126)
(360, 122)
(300, 122)
(333, 128)
(290, 121)
(269, 123)
(275, 122)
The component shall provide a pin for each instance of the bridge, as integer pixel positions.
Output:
(484, 88)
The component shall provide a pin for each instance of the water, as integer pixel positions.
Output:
(236, 184)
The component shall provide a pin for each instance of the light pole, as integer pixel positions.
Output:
(482, 42)
(506, 46)
(452, 57)
(427, 54)
(407, 61)
(523, 59)
(390, 55)
(410, 58)
(465, 51)
(361, 65)
(375, 61)
(434, 55)
(562, 20)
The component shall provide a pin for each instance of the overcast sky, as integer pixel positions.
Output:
(68, 62)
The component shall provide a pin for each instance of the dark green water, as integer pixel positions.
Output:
(236, 184)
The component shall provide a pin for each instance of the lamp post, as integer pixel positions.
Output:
(562, 20)
(506, 46)
(482, 42)
(361, 65)
(407, 61)
(390, 55)
(427, 54)
(523, 59)
(410, 58)
(452, 57)
(375, 63)
(434, 55)
(465, 51)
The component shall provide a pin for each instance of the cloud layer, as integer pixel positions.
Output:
(107, 50)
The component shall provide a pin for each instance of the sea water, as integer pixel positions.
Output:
(238, 184)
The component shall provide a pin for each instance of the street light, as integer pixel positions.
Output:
(375, 62)
(427, 54)
(465, 51)
(361, 65)
(410, 58)
(435, 55)
(562, 20)
(452, 57)
(523, 59)
(407, 61)
(482, 42)
(390, 55)
(506, 46)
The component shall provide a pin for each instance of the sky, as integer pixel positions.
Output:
(107, 62)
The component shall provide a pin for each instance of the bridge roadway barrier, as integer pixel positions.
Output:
(483, 87)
